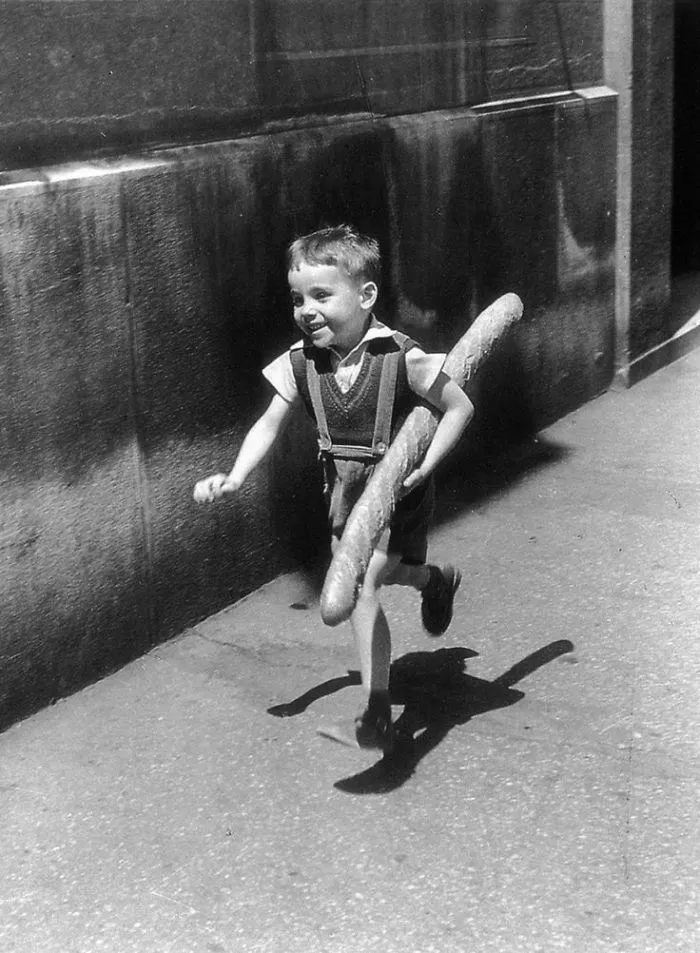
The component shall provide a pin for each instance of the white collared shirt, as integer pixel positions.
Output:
(421, 369)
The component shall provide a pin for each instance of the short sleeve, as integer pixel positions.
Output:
(279, 373)
(422, 370)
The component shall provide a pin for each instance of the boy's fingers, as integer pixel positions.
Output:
(206, 491)
(413, 480)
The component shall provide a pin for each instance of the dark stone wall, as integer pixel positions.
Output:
(140, 297)
(686, 150)
(103, 77)
(650, 319)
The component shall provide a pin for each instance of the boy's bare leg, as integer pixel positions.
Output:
(373, 643)
(403, 574)
(370, 627)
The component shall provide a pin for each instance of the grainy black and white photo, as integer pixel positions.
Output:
(349, 476)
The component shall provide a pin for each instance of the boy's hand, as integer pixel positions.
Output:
(414, 479)
(213, 488)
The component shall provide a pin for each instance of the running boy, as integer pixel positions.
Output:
(359, 379)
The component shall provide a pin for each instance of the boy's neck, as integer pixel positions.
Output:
(343, 351)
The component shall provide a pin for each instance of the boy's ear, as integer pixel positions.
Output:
(368, 295)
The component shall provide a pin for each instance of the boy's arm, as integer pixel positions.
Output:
(257, 443)
(457, 411)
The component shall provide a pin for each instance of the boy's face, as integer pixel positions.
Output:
(330, 307)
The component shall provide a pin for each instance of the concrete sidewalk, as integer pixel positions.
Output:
(552, 801)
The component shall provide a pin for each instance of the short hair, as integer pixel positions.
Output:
(340, 245)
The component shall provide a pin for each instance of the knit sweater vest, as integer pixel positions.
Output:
(351, 416)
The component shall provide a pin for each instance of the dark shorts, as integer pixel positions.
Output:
(344, 482)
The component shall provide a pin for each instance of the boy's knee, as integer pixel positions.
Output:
(381, 568)
(392, 576)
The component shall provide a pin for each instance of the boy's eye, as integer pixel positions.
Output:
(296, 301)
(321, 295)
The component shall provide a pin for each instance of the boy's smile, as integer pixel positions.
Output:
(331, 308)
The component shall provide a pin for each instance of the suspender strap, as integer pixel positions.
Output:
(385, 403)
(314, 384)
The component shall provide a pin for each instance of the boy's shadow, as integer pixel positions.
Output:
(437, 694)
